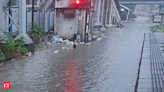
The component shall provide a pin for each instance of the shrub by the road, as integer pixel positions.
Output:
(13, 49)
(157, 28)
(2, 56)
(36, 33)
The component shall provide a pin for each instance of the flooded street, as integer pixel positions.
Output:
(108, 65)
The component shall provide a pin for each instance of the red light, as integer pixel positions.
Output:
(77, 2)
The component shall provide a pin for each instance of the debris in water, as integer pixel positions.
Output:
(29, 54)
(82, 43)
(56, 51)
(105, 36)
(48, 43)
(98, 39)
(88, 43)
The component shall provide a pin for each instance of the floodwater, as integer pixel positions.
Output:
(108, 65)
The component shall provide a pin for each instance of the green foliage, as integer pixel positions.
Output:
(10, 46)
(2, 56)
(20, 46)
(37, 46)
(157, 28)
(13, 2)
(36, 32)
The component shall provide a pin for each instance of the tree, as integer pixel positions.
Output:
(12, 2)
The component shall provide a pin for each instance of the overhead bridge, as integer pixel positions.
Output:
(141, 1)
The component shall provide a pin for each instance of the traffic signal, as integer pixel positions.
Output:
(77, 2)
(80, 3)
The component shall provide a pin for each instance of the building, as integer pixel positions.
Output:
(70, 18)
(73, 18)
(125, 11)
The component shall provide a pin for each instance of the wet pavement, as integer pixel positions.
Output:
(151, 71)
(108, 65)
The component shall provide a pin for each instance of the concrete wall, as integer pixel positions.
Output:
(81, 25)
(65, 27)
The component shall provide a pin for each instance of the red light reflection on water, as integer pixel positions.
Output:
(72, 82)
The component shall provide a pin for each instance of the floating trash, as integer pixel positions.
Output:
(98, 39)
(56, 51)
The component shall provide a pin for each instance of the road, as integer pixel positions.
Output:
(109, 65)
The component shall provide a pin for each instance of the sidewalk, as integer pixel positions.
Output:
(151, 77)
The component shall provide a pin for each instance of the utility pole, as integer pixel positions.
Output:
(32, 13)
(75, 32)
(10, 15)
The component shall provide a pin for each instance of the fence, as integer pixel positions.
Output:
(44, 19)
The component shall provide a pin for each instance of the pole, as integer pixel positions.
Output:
(10, 14)
(1, 18)
(75, 32)
(32, 13)
(22, 27)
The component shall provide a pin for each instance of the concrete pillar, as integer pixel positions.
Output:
(107, 10)
(102, 13)
(98, 12)
(1, 18)
(111, 12)
(22, 16)
(22, 23)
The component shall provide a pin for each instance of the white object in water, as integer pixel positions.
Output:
(98, 39)
(65, 48)
(82, 43)
(105, 36)
(88, 43)
(48, 43)
(56, 51)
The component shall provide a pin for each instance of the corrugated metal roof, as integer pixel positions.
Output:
(125, 7)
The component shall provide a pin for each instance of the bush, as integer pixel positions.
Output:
(157, 28)
(36, 32)
(2, 56)
(37, 46)
(20, 46)
(11, 47)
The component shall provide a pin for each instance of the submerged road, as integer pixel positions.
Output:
(108, 65)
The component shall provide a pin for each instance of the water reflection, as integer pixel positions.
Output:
(72, 81)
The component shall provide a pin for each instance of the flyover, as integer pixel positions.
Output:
(141, 1)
